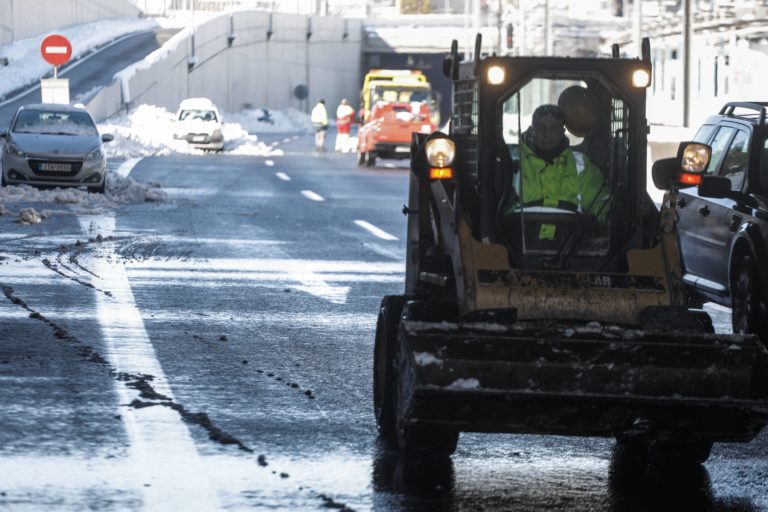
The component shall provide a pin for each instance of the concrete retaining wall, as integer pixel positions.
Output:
(20, 19)
(269, 56)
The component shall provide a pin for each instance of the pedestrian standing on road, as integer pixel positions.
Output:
(344, 116)
(319, 119)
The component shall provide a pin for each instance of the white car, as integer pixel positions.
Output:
(198, 121)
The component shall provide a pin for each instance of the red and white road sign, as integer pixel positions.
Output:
(56, 49)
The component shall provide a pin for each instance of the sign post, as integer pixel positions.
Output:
(56, 50)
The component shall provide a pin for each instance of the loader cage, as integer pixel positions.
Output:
(601, 129)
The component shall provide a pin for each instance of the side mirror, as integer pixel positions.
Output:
(107, 137)
(715, 186)
(665, 172)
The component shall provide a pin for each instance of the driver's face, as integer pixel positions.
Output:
(547, 132)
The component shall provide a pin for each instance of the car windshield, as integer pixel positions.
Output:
(194, 114)
(54, 122)
(393, 94)
(567, 142)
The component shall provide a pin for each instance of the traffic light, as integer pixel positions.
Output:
(510, 36)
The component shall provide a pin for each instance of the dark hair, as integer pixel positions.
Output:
(549, 110)
(322, 101)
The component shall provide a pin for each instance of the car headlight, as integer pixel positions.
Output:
(96, 154)
(13, 149)
(440, 152)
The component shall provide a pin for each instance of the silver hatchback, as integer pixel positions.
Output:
(54, 145)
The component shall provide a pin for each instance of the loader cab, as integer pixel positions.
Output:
(577, 203)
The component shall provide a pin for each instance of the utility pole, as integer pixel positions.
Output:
(548, 43)
(686, 62)
(637, 26)
(499, 30)
(521, 48)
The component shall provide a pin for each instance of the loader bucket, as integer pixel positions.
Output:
(587, 379)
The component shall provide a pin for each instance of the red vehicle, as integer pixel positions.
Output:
(387, 134)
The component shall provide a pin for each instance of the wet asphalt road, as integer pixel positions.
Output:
(213, 352)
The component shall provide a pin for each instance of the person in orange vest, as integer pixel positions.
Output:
(344, 115)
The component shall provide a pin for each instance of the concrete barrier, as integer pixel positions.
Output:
(247, 58)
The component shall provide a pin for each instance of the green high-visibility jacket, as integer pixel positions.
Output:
(571, 182)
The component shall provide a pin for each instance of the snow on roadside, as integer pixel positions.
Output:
(148, 130)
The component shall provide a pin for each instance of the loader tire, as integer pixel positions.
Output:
(678, 455)
(384, 384)
(629, 461)
(420, 441)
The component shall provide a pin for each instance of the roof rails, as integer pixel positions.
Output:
(729, 107)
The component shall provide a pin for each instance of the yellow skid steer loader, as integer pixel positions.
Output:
(525, 312)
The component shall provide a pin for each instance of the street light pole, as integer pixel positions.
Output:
(686, 62)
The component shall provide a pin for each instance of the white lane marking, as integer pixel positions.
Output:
(283, 176)
(324, 279)
(287, 139)
(295, 137)
(312, 195)
(269, 163)
(374, 230)
(126, 167)
(171, 475)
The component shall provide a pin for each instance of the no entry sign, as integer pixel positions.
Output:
(56, 49)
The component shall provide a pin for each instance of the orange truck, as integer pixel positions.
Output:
(387, 134)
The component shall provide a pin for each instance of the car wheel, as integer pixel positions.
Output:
(100, 189)
(383, 366)
(746, 300)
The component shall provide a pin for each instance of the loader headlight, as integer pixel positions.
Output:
(440, 152)
(696, 158)
(641, 78)
(496, 75)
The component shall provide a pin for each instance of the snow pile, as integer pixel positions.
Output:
(26, 66)
(425, 359)
(148, 130)
(120, 190)
(263, 120)
(464, 384)
(30, 216)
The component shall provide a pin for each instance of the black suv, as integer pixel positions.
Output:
(723, 222)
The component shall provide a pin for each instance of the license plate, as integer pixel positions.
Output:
(198, 138)
(402, 149)
(49, 166)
